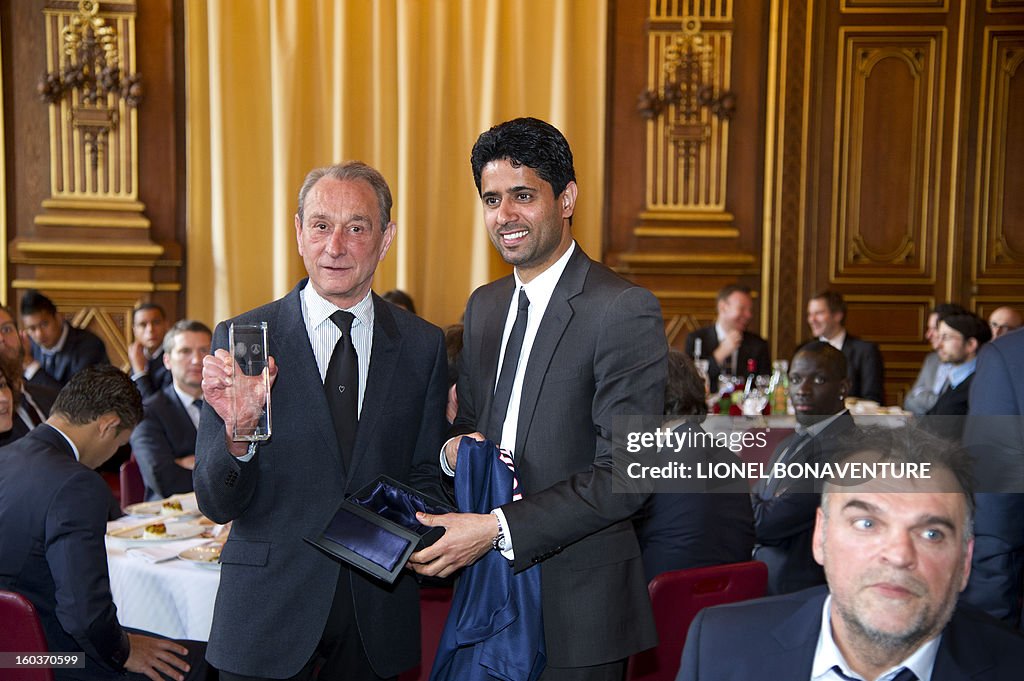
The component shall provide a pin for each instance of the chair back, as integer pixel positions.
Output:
(133, 490)
(677, 597)
(21, 633)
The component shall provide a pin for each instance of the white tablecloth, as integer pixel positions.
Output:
(173, 598)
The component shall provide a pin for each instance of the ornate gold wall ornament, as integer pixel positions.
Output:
(90, 75)
(688, 64)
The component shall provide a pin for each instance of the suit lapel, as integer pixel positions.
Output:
(383, 358)
(797, 636)
(291, 349)
(183, 422)
(489, 348)
(556, 319)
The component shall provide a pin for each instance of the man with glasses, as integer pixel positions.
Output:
(1003, 320)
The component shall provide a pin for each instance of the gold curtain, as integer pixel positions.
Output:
(277, 87)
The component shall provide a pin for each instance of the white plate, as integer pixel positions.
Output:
(205, 555)
(189, 507)
(175, 531)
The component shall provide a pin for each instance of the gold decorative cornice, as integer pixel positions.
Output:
(119, 286)
(688, 258)
(150, 250)
(99, 220)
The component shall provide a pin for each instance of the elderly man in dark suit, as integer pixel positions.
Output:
(569, 345)
(726, 344)
(284, 609)
(146, 353)
(164, 444)
(53, 512)
(62, 349)
(896, 553)
(826, 315)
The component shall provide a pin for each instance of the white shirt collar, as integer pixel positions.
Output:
(319, 309)
(59, 345)
(827, 655)
(70, 441)
(540, 288)
(720, 331)
(837, 340)
(815, 428)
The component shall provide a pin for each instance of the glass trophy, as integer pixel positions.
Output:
(250, 396)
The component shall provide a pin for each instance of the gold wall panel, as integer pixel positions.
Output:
(893, 6)
(999, 189)
(681, 182)
(702, 9)
(994, 6)
(886, 162)
(75, 172)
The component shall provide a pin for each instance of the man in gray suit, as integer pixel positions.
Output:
(591, 347)
(284, 609)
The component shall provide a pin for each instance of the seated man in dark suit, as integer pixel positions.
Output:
(826, 315)
(146, 354)
(164, 444)
(62, 349)
(896, 554)
(727, 345)
(53, 512)
(699, 528)
(37, 396)
(783, 508)
(960, 338)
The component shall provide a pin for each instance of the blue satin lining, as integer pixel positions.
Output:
(375, 542)
(397, 505)
(369, 540)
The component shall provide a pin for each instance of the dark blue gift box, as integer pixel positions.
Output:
(375, 529)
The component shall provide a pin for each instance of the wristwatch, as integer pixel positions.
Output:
(253, 446)
(499, 543)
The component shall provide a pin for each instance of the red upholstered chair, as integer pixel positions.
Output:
(21, 633)
(435, 602)
(133, 490)
(677, 597)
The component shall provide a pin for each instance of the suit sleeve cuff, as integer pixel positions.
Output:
(508, 552)
(445, 468)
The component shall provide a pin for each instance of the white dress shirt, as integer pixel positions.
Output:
(828, 655)
(324, 335)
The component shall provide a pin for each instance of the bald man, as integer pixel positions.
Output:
(1003, 320)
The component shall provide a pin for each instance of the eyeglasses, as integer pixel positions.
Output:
(995, 327)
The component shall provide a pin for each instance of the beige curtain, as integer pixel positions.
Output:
(276, 87)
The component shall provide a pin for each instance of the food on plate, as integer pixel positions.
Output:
(154, 531)
(171, 507)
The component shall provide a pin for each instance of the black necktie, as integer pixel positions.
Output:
(198, 404)
(904, 675)
(503, 391)
(341, 384)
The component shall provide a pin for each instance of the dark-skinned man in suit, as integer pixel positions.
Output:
(62, 349)
(593, 348)
(312, 612)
